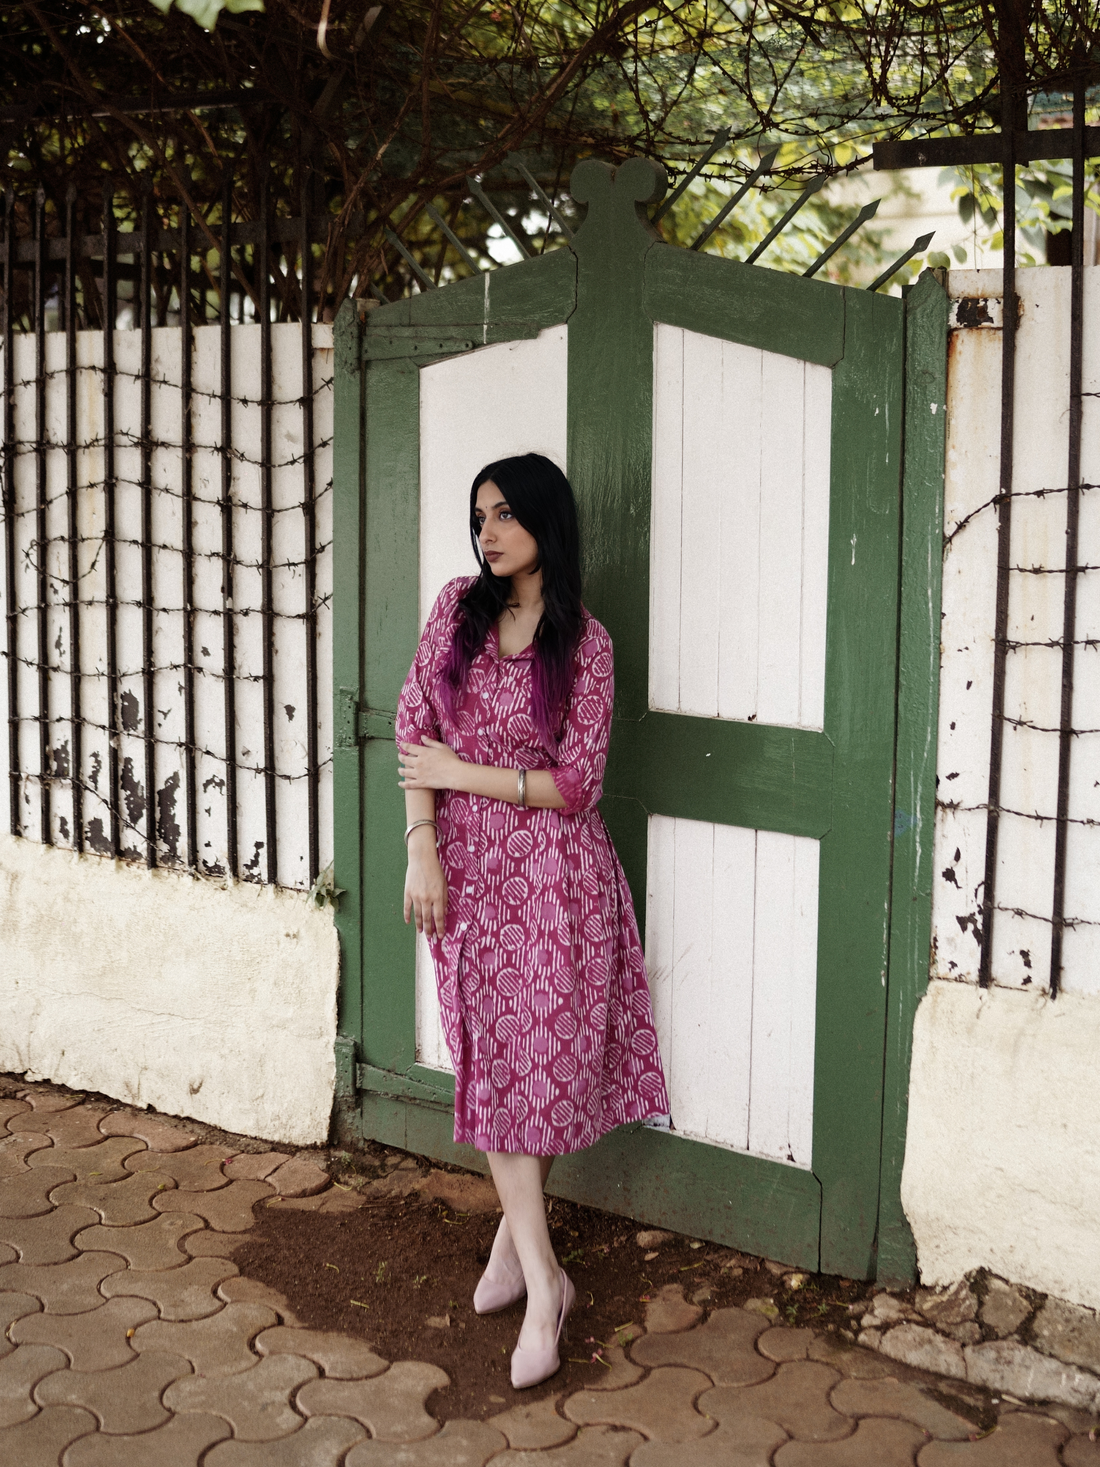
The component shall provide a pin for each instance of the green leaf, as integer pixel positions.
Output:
(938, 260)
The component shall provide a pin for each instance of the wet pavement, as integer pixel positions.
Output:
(130, 1338)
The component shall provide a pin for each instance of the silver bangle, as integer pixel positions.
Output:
(410, 828)
(521, 779)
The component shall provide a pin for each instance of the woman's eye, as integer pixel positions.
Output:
(506, 514)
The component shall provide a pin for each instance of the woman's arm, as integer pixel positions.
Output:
(433, 766)
(425, 884)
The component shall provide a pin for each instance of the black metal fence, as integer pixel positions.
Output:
(148, 512)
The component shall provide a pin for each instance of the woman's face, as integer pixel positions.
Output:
(509, 549)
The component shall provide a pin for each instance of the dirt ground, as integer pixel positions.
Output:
(401, 1273)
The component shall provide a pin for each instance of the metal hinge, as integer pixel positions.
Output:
(390, 343)
(355, 724)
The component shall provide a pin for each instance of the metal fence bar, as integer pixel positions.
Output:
(719, 140)
(309, 527)
(1073, 516)
(11, 617)
(110, 308)
(266, 510)
(1004, 537)
(41, 520)
(76, 726)
(187, 512)
(761, 168)
(148, 712)
(226, 507)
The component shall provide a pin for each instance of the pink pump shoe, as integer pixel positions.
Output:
(491, 1298)
(532, 1367)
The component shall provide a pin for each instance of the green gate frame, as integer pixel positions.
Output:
(611, 285)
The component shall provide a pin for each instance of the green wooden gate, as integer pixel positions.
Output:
(836, 786)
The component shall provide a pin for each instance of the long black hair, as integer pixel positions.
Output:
(540, 497)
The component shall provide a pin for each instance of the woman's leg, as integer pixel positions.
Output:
(519, 1181)
(504, 1264)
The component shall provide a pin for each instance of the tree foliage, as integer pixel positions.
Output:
(366, 115)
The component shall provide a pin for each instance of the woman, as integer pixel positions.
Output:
(502, 729)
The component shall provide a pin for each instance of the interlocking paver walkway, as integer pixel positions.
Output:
(129, 1338)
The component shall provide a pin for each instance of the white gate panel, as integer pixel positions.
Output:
(731, 944)
(740, 531)
(485, 405)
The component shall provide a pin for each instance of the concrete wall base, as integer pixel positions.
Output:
(201, 999)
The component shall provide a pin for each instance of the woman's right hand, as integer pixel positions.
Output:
(425, 884)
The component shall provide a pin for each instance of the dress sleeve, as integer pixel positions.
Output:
(418, 705)
(582, 752)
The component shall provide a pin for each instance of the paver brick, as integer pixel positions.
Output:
(78, 1126)
(48, 1100)
(64, 1288)
(878, 1442)
(668, 1312)
(124, 1400)
(154, 1132)
(14, 1151)
(8, 1254)
(47, 1238)
(337, 1199)
(852, 1361)
(10, 1107)
(178, 1443)
(27, 1194)
(898, 1398)
(1020, 1440)
(299, 1177)
(1080, 1452)
(198, 1169)
(459, 1444)
(724, 1348)
(92, 1341)
(179, 1293)
(623, 1372)
(20, 1372)
(255, 1402)
(593, 1446)
(796, 1398)
(781, 1344)
(228, 1210)
(249, 1166)
(212, 1244)
(13, 1307)
(145, 1246)
(747, 1442)
(319, 1443)
(119, 1204)
(215, 1346)
(40, 1441)
(238, 1290)
(391, 1405)
(99, 1163)
(341, 1357)
(661, 1406)
(535, 1425)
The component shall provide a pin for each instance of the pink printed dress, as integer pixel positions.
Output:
(542, 981)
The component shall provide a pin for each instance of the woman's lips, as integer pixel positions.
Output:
(492, 555)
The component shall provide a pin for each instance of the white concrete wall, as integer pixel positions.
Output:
(198, 998)
(1001, 1166)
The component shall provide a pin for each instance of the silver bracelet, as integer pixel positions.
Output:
(410, 828)
(521, 778)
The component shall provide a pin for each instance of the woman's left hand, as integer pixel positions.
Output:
(429, 766)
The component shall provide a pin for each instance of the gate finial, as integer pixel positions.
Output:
(616, 198)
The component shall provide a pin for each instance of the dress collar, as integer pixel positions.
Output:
(493, 646)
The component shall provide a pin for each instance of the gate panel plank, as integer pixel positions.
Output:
(859, 718)
(784, 998)
(757, 307)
